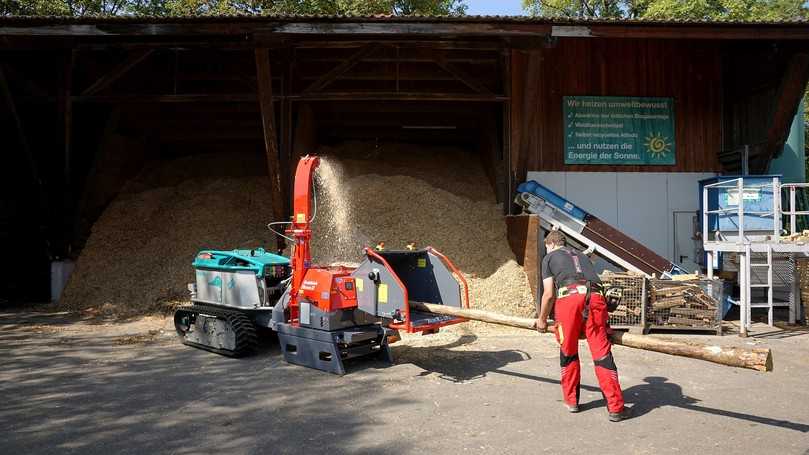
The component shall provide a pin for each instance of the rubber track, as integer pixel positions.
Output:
(243, 327)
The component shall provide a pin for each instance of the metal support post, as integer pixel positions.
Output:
(769, 286)
(776, 209)
(793, 224)
(740, 209)
(705, 215)
(744, 292)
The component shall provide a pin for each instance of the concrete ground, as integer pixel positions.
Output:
(75, 387)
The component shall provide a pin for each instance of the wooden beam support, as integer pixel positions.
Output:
(151, 99)
(529, 135)
(397, 96)
(342, 68)
(790, 93)
(461, 75)
(66, 113)
(264, 81)
(251, 98)
(30, 87)
(8, 99)
(488, 45)
(116, 73)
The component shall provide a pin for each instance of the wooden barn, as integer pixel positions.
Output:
(87, 102)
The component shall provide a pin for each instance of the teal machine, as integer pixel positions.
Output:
(232, 296)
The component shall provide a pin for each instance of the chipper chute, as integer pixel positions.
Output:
(388, 281)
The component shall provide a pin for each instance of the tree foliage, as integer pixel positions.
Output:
(671, 9)
(211, 7)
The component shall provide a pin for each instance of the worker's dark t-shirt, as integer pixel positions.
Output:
(559, 265)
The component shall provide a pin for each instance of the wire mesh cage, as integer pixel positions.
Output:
(803, 283)
(692, 304)
(782, 280)
(631, 311)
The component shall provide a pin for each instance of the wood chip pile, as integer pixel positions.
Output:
(681, 304)
(434, 196)
(630, 312)
(138, 257)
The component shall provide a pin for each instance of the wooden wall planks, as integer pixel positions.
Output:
(688, 71)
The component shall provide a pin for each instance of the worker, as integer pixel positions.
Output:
(568, 277)
(380, 246)
(411, 246)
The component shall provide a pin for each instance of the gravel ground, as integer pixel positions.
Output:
(69, 386)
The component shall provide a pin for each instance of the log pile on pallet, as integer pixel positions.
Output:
(682, 304)
(798, 237)
(631, 311)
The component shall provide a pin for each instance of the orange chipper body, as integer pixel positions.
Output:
(329, 288)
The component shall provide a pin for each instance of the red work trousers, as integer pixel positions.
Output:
(568, 313)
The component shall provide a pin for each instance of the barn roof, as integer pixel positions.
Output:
(400, 26)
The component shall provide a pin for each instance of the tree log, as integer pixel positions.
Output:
(754, 359)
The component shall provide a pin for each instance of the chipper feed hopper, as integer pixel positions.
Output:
(388, 281)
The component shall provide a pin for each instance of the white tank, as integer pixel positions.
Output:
(60, 272)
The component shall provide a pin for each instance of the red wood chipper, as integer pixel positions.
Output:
(334, 313)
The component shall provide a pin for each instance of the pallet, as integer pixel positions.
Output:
(672, 328)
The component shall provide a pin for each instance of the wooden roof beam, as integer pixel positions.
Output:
(117, 72)
(342, 68)
(461, 75)
(278, 195)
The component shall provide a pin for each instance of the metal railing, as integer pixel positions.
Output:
(792, 213)
(739, 186)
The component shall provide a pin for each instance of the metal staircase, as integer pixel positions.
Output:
(767, 272)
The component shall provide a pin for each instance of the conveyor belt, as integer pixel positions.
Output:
(609, 242)
(621, 244)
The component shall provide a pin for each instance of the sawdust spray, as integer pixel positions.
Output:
(336, 239)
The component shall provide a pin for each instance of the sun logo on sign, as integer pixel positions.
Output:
(657, 145)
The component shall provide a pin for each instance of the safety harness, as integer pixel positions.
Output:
(578, 285)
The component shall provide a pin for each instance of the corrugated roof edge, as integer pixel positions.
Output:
(46, 20)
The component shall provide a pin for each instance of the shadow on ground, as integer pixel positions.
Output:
(457, 365)
(658, 392)
(90, 396)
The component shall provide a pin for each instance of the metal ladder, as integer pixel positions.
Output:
(768, 286)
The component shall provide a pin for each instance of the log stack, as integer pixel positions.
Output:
(683, 304)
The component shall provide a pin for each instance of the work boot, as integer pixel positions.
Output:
(572, 408)
(624, 414)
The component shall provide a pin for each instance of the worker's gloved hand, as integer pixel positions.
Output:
(542, 325)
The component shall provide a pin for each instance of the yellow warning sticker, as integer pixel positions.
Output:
(382, 294)
(421, 262)
(358, 284)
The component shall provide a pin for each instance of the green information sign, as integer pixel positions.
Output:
(618, 130)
